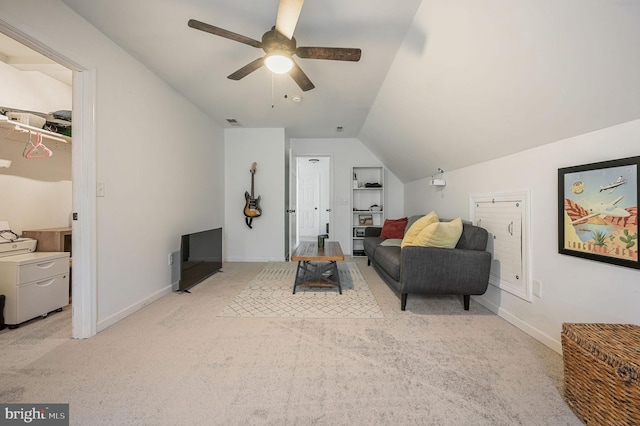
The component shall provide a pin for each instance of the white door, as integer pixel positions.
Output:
(314, 195)
(308, 204)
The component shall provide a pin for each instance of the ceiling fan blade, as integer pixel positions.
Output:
(330, 53)
(300, 78)
(288, 14)
(223, 33)
(247, 69)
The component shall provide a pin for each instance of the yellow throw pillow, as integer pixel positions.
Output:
(441, 234)
(417, 227)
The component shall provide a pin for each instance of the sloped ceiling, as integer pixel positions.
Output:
(478, 80)
(441, 83)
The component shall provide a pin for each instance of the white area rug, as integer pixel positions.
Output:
(269, 295)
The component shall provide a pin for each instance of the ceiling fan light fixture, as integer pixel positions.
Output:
(278, 63)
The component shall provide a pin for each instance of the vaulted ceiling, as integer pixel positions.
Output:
(441, 83)
(478, 80)
(197, 63)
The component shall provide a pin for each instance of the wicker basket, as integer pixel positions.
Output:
(602, 372)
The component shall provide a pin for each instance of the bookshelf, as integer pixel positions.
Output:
(367, 203)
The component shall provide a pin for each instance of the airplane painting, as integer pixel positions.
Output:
(598, 211)
(614, 185)
(603, 210)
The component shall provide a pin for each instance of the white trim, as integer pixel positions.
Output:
(22, 35)
(118, 316)
(540, 336)
(255, 259)
(84, 204)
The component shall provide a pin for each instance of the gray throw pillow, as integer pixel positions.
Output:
(412, 220)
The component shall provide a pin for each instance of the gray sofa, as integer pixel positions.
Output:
(463, 270)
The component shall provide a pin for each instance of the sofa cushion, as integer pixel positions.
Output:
(388, 258)
(412, 220)
(394, 242)
(417, 227)
(370, 245)
(372, 231)
(440, 234)
(394, 228)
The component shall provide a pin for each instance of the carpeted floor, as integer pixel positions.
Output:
(270, 294)
(177, 361)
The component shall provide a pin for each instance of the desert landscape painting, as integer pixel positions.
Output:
(600, 208)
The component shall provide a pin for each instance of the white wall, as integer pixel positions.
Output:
(32, 90)
(160, 158)
(345, 154)
(266, 240)
(573, 289)
(36, 193)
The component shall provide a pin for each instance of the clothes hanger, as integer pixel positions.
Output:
(37, 150)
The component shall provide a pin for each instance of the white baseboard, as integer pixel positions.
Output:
(108, 322)
(543, 338)
(254, 259)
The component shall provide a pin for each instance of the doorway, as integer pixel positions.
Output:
(37, 94)
(313, 205)
(84, 314)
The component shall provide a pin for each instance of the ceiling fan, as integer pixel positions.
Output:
(280, 46)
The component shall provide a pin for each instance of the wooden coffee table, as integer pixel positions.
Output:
(317, 267)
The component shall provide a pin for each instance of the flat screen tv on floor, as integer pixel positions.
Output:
(200, 257)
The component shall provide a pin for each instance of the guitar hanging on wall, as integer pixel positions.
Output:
(252, 205)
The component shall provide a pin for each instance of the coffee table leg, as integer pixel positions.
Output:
(312, 272)
(337, 276)
(300, 270)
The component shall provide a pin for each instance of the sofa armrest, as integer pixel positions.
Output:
(372, 231)
(434, 270)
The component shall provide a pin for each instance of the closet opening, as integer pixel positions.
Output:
(47, 150)
(35, 146)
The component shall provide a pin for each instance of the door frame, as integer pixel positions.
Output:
(83, 180)
(328, 181)
(290, 221)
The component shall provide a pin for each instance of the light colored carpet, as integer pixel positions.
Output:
(178, 362)
(270, 294)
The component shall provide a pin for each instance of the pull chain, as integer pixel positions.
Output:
(273, 90)
(285, 86)
(273, 78)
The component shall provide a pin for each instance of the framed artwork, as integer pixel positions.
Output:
(598, 211)
(365, 219)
